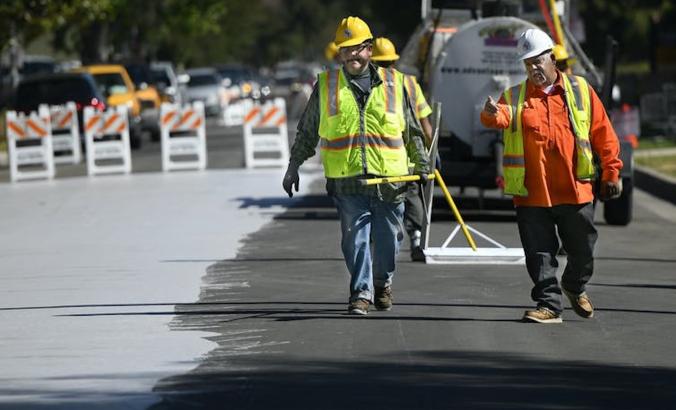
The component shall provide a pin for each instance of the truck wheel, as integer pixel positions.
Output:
(619, 211)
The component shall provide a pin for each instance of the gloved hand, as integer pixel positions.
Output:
(423, 178)
(291, 179)
(610, 190)
(437, 162)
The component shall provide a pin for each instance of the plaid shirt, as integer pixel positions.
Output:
(307, 138)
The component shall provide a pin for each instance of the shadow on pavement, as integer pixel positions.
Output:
(420, 380)
(298, 311)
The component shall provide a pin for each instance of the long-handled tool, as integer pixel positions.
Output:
(446, 255)
(436, 176)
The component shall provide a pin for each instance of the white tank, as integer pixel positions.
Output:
(479, 60)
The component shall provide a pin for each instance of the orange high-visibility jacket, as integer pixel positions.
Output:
(549, 147)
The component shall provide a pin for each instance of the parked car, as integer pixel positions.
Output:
(242, 81)
(148, 97)
(30, 65)
(206, 85)
(166, 81)
(58, 89)
(115, 84)
(293, 81)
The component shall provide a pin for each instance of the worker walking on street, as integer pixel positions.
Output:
(365, 126)
(552, 122)
(385, 55)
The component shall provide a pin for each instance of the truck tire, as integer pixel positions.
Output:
(619, 211)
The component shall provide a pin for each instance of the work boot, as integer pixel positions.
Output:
(358, 307)
(542, 315)
(581, 304)
(417, 254)
(383, 298)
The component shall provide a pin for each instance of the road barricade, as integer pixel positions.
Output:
(29, 140)
(266, 141)
(65, 134)
(183, 134)
(107, 141)
(234, 113)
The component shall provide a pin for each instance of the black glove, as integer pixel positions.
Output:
(291, 179)
(423, 178)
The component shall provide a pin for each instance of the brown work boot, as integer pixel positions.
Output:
(358, 307)
(542, 315)
(383, 298)
(581, 304)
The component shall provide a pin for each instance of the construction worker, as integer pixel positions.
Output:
(552, 122)
(564, 62)
(366, 127)
(331, 55)
(385, 55)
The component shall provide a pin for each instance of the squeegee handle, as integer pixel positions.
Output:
(388, 180)
(454, 208)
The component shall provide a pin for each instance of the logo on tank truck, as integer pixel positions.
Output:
(492, 52)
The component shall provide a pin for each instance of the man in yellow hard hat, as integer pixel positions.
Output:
(365, 126)
(331, 55)
(564, 62)
(385, 55)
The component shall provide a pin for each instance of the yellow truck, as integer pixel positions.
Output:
(118, 88)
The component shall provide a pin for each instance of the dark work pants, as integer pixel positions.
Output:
(538, 230)
(413, 209)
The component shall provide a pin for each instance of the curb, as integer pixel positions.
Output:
(656, 184)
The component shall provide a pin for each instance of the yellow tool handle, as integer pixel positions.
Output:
(451, 203)
(387, 180)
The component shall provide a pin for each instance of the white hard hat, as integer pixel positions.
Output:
(533, 42)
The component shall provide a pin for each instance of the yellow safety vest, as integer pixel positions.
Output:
(356, 143)
(422, 109)
(577, 98)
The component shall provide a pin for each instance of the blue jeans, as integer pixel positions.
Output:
(363, 218)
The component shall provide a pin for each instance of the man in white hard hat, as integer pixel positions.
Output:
(365, 126)
(552, 124)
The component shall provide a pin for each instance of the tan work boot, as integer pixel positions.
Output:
(383, 298)
(542, 315)
(358, 307)
(581, 304)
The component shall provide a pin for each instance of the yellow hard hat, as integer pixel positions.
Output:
(351, 32)
(383, 50)
(560, 53)
(330, 51)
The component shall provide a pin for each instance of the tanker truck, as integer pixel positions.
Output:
(462, 56)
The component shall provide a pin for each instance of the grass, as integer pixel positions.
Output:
(664, 164)
(656, 142)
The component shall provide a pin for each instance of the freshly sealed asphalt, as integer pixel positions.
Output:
(454, 338)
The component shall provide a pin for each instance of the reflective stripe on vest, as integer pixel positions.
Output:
(577, 99)
(422, 109)
(345, 140)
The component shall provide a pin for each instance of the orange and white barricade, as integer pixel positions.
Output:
(29, 140)
(183, 134)
(107, 141)
(65, 133)
(234, 113)
(266, 140)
